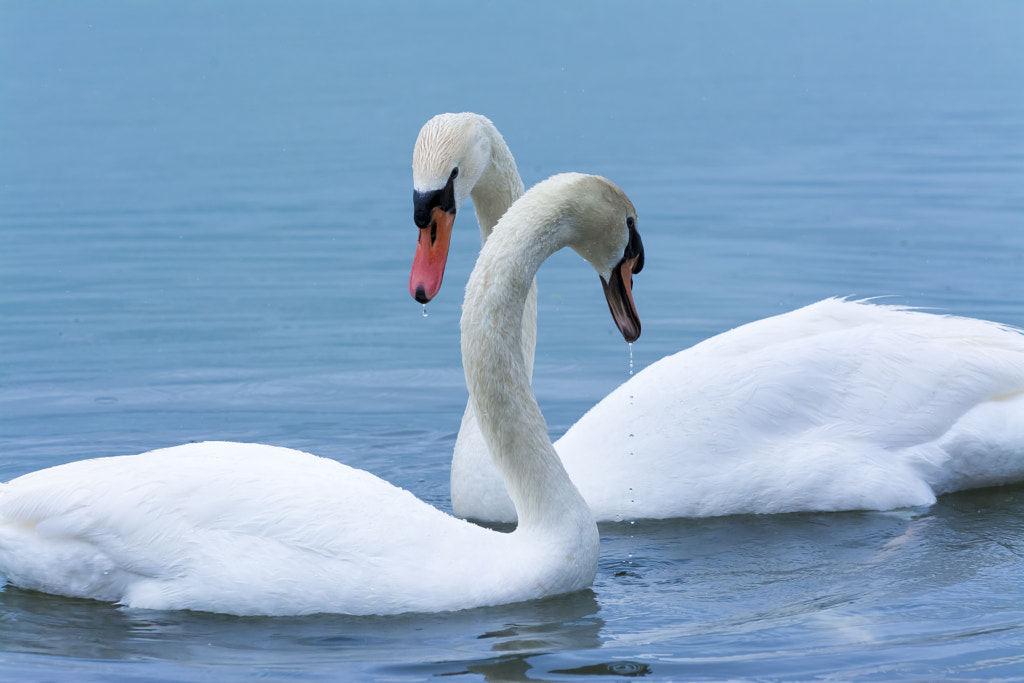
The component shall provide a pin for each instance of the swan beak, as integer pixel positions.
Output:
(431, 255)
(618, 290)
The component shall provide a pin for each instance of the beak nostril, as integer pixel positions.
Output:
(433, 234)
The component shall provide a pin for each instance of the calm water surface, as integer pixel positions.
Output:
(205, 233)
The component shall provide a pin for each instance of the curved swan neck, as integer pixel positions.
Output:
(498, 187)
(500, 184)
(498, 374)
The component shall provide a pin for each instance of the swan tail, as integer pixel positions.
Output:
(985, 447)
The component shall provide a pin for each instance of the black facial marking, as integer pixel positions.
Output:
(635, 247)
(423, 203)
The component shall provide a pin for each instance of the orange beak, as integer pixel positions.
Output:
(431, 256)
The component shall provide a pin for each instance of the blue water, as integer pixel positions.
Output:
(206, 230)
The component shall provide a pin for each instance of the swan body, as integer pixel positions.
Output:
(252, 529)
(237, 528)
(835, 406)
(839, 405)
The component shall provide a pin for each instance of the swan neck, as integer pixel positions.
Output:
(496, 190)
(498, 377)
(498, 187)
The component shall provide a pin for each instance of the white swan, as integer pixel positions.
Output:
(253, 529)
(839, 405)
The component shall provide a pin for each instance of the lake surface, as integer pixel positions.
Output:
(206, 230)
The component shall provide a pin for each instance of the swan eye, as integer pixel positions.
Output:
(630, 222)
(455, 172)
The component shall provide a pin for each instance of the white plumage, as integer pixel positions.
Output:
(839, 405)
(254, 529)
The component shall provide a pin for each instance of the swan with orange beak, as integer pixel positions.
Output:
(434, 214)
(458, 156)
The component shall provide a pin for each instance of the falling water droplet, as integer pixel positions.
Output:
(630, 358)
(424, 310)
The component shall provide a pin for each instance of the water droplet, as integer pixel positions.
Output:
(627, 669)
(424, 310)
(630, 358)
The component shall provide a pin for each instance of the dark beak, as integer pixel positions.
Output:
(618, 290)
(619, 293)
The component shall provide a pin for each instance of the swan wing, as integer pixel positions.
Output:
(838, 405)
(240, 528)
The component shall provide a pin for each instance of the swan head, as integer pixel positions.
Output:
(586, 212)
(451, 154)
(606, 236)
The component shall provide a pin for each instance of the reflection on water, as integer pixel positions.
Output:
(813, 593)
(724, 597)
(84, 629)
(205, 233)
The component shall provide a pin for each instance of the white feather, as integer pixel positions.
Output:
(839, 405)
(254, 529)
